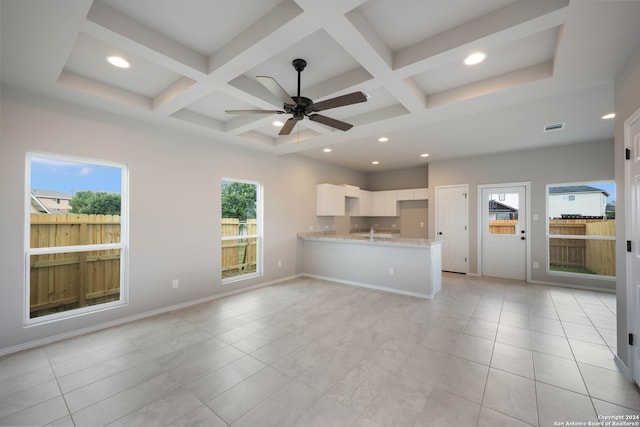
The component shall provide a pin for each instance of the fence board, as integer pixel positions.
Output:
(70, 280)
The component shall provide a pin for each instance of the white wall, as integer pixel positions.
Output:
(592, 161)
(174, 206)
(627, 101)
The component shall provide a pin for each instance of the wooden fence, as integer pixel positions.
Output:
(238, 255)
(65, 281)
(597, 256)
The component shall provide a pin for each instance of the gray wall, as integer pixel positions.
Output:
(627, 101)
(179, 172)
(399, 179)
(566, 164)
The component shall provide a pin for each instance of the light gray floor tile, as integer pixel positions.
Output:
(582, 332)
(125, 402)
(100, 390)
(355, 356)
(474, 349)
(282, 408)
(481, 328)
(512, 395)
(240, 399)
(23, 399)
(594, 354)
(610, 386)
(162, 411)
(559, 372)
(607, 409)
(446, 409)
(463, 378)
(214, 383)
(557, 405)
(490, 418)
(515, 360)
(360, 386)
(551, 344)
(327, 412)
(512, 335)
(200, 417)
(39, 414)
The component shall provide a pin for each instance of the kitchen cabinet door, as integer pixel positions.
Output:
(330, 200)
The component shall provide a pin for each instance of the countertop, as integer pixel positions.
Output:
(382, 241)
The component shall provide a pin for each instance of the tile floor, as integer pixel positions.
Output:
(484, 352)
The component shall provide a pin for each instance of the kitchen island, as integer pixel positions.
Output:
(400, 265)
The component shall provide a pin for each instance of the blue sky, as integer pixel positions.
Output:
(71, 177)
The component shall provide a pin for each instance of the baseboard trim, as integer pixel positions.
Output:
(77, 332)
(368, 286)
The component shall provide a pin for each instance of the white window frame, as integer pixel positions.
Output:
(571, 236)
(123, 245)
(258, 235)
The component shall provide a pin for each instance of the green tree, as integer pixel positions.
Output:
(238, 200)
(95, 202)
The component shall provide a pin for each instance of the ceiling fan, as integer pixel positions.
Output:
(301, 107)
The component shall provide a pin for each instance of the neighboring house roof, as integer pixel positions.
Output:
(51, 194)
(576, 189)
(495, 206)
(37, 206)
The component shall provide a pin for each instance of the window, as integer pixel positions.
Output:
(241, 222)
(581, 228)
(75, 257)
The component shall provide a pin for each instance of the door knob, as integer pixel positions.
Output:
(440, 233)
(522, 238)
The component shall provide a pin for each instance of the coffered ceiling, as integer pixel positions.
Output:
(547, 62)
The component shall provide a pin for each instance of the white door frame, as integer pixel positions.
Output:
(527, 214)
(631, 208)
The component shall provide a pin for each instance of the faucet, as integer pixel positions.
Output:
(372, 233)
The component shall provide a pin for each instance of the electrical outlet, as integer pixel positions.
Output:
(279, 263)
(175, 283)
(535, 264)
(390, 271)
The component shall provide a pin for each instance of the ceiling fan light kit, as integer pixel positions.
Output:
(300, 107)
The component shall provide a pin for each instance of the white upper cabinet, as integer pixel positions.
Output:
(413, 194)
(351, 190)
(363, 205)
(333, 198)
(385, 203)
(330, 200)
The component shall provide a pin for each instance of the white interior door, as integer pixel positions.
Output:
(504, 227)
(452, 219)
(632, 172)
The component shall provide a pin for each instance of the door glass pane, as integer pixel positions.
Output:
(503, 213)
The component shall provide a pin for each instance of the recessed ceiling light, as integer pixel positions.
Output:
(475, 58)
(424, 155)
(609, 116)
(375, 162)
(383, 139)
(327, 150)
(278, 123)
(118, 61)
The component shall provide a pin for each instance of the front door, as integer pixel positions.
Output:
(452, 218)
(504, 231)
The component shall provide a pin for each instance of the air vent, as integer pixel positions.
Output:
(554, 127)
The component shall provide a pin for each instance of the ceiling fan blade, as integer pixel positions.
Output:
(254, 111)
(330, 122)
(288, 126)
(274, 87)
(340, 101)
